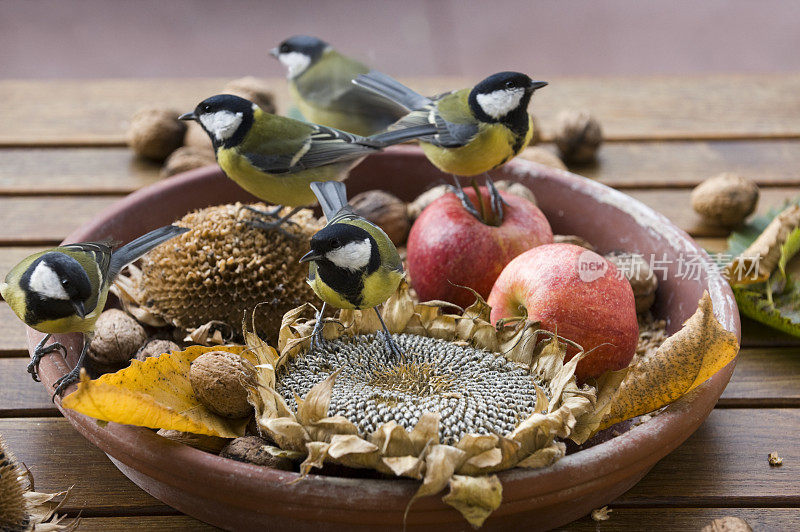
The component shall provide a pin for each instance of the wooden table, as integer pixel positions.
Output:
(63, 159)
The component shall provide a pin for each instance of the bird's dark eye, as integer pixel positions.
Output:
(65, 282)
(205, 107)
(509, 84)
(335, 243)
(284, 48)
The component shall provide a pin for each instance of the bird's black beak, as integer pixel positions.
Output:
(311, 255)
(274, 52)
(80, 310)
(188, 116)
(538, 85)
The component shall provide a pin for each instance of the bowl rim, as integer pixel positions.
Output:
(142, 449)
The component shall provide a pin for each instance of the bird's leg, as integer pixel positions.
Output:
(39, 352)
(465, 201)
(393, 347)
(495, 200)
(265, 214)
(61, 384)
(316, 334)
(276, 225)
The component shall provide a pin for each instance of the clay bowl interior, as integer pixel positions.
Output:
(236, 495)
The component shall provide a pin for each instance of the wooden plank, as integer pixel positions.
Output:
(46, 220)
(13, 339)
(688, 519)
(19, 394)
(765, 377)
(96, 112)
(59, 457)
(145, 523)
(725, 463)
(74, 171)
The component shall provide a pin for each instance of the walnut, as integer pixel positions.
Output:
(155, 347)
(727, 524)
(253, 449)
(518, 189)
(218, 378)
(384, 210)
(117, 337)
(155, 132)
(637, 271)
(196, 137)
(187, 158)
(726, 199)
(543, 156)
(573, 239)
(578, 136)
(415, 208)
(254, 89)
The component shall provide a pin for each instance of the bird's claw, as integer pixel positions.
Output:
(272, 226)
(65, 381)
(393, 347)
(495, 200)
(40, 351)
(465, 201)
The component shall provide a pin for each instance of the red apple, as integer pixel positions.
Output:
(578, 293)
(448, 247)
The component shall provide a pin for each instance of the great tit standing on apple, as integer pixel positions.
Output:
(64, 290)
(471, 131)
(275, 158)
(353, 263)
(321, 85)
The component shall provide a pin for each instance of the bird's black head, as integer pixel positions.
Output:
(225, 117)
(503, 97)
(344, 247)
(298, 53)
(56, 286)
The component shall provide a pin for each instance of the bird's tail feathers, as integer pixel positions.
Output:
(382, 140)
(332, 196)
(391, 89)
(135, 249)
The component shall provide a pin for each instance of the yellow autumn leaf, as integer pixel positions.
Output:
(683, 362)
(155, 393)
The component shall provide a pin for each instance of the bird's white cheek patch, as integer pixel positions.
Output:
(46, 282)
(221, 124)
(352, 256)
(295, 62)
(499, 103)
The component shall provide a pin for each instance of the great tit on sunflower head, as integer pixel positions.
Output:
(470, 131)
(354, 264)
(320, 83)
(64, 289)
(275, 157)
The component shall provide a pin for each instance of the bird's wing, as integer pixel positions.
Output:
(391, 89)
(95, 257)
(323, 146)
(449, 113)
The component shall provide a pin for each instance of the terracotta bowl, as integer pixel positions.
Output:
(241, 496)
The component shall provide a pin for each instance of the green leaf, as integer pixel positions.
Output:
(741, 239)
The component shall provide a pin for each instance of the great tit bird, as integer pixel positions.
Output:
(64, 289)
(320, 82)
(276, 158)
(354, 264)
(472, 130)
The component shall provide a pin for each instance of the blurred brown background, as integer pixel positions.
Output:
(202, 38)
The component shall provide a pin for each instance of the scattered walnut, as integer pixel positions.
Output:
(384, 210)
(253, 449)
(210, 444)
(156, 347)
(573, 239)
(637, 271)
(601, 514)
(543, 156)
(187, 158)
(727, 524)
(415, 208)
(578, 136)
(117, 337)
(155, 132)
(518, 189)
(217, 379)
(774, 459)
(726, 199)
(254, 89)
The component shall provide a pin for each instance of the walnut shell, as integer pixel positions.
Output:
(218, 378)
(155, 132)
(578, 135)
(187, 158)
(543, 156)
(415, 208)
(518, 189)
(638, 272)
(386, 211)
(252, 449)
(254, 89)
(117, 337)
(155, 347)
(726, 199)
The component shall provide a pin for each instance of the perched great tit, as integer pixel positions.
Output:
(354, 264)
(471, 131)
(64, 289)
(320, 82)
(276, 158)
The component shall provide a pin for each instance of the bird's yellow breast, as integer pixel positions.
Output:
(492, 146)
(378, 287)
